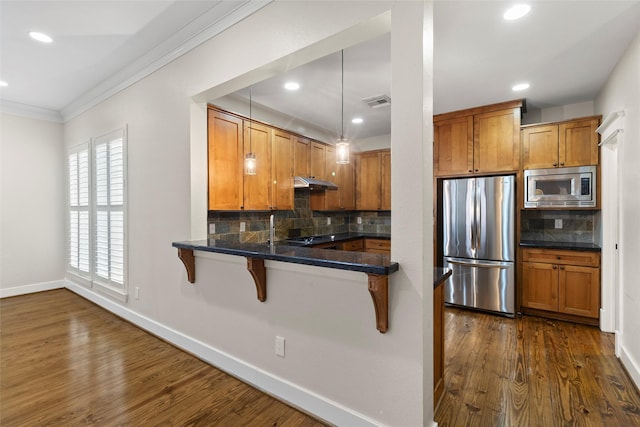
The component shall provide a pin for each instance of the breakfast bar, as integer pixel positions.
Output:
(378, 267)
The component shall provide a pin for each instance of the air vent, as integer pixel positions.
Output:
(378, 101)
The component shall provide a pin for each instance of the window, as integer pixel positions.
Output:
(97, 213)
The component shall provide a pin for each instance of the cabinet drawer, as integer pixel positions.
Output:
(589, 259)
(377, 246)
(353, 245)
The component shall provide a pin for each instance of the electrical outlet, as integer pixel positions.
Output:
(137, 292)
(279, 346)
(329, 221)
(212, 229)
(243, 226)
(558, 223)
(359, 220)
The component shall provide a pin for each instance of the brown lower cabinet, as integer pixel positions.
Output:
(561, 283)
(377, 246)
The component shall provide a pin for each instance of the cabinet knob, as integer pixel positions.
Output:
(476, 170)
(555, 165)
(470, 170)
(561, 267)
(555, 267)
(561, 164)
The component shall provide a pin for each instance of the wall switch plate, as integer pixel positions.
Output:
(212, 229)
(279, 346)
(359, 220)
(243, 226)
(329, 221)
(558, 223)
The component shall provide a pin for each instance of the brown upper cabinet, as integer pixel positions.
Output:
(230, 138)
(478, 141)
(373, 180)
(566, 144)
(324, 166)
(302, 151)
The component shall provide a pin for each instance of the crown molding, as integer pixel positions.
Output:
(205, 27)
(30, 111)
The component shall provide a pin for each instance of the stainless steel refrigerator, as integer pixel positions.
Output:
(478, 217)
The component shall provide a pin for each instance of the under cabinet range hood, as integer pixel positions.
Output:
(313, 183)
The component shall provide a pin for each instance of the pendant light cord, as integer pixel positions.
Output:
(342, 98)
(250, 117)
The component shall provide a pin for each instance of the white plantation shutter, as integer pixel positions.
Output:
(97, 212)
(109, 197)
(79, 209)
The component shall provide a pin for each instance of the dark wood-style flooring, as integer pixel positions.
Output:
(531, 371)
(65, 361)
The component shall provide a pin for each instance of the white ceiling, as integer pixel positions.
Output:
(565, 49)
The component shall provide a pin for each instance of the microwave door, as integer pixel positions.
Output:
(552, 187)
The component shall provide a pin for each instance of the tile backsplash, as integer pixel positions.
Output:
(301, 221)
(577, 226)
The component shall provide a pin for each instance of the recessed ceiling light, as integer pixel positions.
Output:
(291, 86)
(41, 37)
(520, 86)
(357, 120)
(3, 83)
(516, 11)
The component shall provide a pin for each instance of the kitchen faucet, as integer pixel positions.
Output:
(272, 230)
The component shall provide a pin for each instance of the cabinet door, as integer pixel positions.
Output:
(368, 181)
(496, 142)
(332, 197)
(347, 186)
(453, 146)
(540, 147)
(317, 160)
(385, 184)
(282, 171)
(578, 143)
(540, 286)
(302, 151)
(579, 289)
(257, 188)
(225, 157)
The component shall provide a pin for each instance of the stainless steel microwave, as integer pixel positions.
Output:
(560, 187)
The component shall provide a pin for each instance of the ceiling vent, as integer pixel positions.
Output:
(378, 101)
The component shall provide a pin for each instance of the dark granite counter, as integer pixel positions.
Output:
(573, 246)
(343, 260)
(440, 274)
(339, 237)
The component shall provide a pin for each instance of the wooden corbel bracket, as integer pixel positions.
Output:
(379, 290)
(259, 273)
(189, 261)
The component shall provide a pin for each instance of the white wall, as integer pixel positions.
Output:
(337, 364)
(622, 92)
(32, 256)
(567, 112)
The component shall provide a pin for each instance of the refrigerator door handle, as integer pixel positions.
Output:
(481, 264)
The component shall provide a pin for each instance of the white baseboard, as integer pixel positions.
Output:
(296, 396)
(631, 365)
(30, 289)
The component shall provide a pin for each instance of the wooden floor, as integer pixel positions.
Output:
(67, 362)
(530, 371)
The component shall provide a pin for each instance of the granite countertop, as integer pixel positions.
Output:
(343, 260)
(339, 237)
(574, 246)
(440, 274)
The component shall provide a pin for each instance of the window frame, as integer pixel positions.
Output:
(92, 278)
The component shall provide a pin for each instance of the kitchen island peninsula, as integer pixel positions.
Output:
(377, 266)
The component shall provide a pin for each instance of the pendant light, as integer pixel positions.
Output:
(250, 158)
(342, 145)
